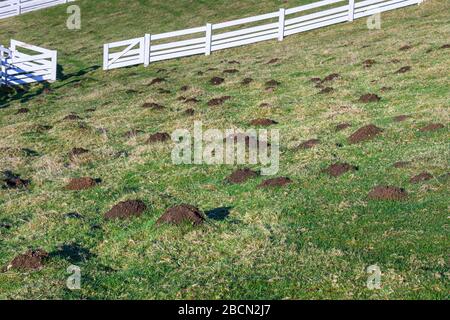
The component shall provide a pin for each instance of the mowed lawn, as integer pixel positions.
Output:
(311, 239)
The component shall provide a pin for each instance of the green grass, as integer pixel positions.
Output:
(311, 240)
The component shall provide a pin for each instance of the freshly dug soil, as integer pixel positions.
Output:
(338, 169)
(126, 209)
(309, 144)
(388, 193)
(11, 180)
(247, 81)
(331, 77)
(218, 101)
(158, 137)
(369, 97)
(29, 261)
(217, 81)
(424, 176)
(275, 182)
(401, 164)
(342, 126)
(401, 118)
(71, 117)
(81, 184)
(23, 110)
(432, 127)
(316, 80)
(263, 122)
(403, 69)
(241, 176)
(368, 63)
(132, 133)
(326, 90)
(181, 214)
(77, 152)
(365, 133)
(156, 80)
(152, 105)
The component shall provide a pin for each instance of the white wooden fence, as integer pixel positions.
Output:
(213, 37)
(24, 63)
(11, 8)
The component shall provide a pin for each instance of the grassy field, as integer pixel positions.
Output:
(312, 239)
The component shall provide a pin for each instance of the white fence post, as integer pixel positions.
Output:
(105, 56)
(281, 22)
(54, 65)
(351, 10)
(208, 39)
(19, 7)
(147, 46)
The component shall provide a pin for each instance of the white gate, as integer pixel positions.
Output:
(24, 63)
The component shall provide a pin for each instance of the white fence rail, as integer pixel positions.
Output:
(24, 63)
(10, 8)
(213, 37)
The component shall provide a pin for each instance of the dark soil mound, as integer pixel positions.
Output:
(275, 182)
(217, 81)
(156, 80)
(309, 144)
(218, 101)
(445, 46)
(75, 152)
(368, 63)
(230, 71)
(272, 61)
(401, 164)
(369, 97)
(71, 117)
(30, 260)
(388, 193)
(404, 48)
(11, 180)
(403, 69)
(272, 83)
(316, 80)
(326, 90)
(247, 81)
(126, 209)
(152, 105)
(81, 184)
(158, 137)
(342, 126)
(132, 133)
(338, 169)
(331, 77)
(365, 133)
(181, 214)
(432, 127)
(23, 110)
(241, 175)
(189, 112)
(401, 118)
(424, 176)
(263, 122)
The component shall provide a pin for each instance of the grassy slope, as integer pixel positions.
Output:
(313, 239)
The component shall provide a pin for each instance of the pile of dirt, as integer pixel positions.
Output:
(230, 71)
(368, 63)
(401, 164)
(388, 193)
(326, 90)
(424, 176)
(331, 77)
(23, 110)
(126, 209)
(183, 213)
(369, 97)
(365, 133)
(342, 126)
(272, 61)
(75, 152)
(216, 81)
(29, 261)
(308, 144)
(275, 182)
(156, 81)
(262, 122)
(241, 176)
(11, 180)
(405, 47)
(158, 137)
(153, 105)
(218, 101)
(338, 169)
(316, 80)
(72, 117)
(401, 118)
(132, 133)
(247, 81)
(432, 127)
(403, 69)
(81, 184)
